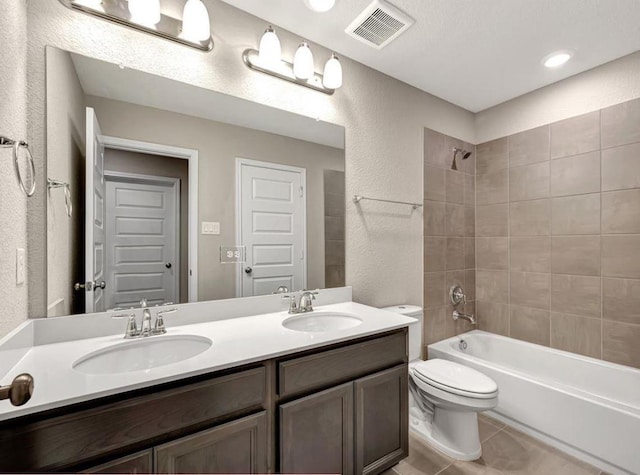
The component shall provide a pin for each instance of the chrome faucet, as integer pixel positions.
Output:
(306, 302)
(457, 297)
(146, 329)
(464, 316)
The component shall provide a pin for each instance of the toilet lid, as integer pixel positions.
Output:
(456, 378)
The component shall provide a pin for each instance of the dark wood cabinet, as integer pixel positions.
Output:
(381, 420)
(235, 447)
(141, 462)
(316, 432)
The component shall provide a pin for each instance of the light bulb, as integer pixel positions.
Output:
(270, 52)
(332, 77)
(320, 5)
(303, 62)
(145, 12)
(556, 60)
(196, 25)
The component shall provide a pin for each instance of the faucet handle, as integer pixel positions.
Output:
(132, 328)
(159, 328)
(143, 303)
(292, 303)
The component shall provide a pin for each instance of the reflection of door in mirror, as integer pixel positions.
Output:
(272, 226)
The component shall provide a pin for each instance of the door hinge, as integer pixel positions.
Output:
(301, 192)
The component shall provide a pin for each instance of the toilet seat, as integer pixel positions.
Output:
(456, 379)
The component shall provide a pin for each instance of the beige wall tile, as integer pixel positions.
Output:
(621, 124)
(469, 253)
(492, 188)
(434, 289)
(577, 135)
(493, 317)
(529, 182)
(454, 220)
(454, 188)
(492, 286)
(492, 156)
(530, 324)
(469, 185)
(579, 255)
(334, 252)
(582, 335)
(621, 168)
(578, 214)
(576, 295)
(576, 175)
(530, 254)
(470, 283)
(529, 147)
(621, 212)
(492, 220)
(530, 289)
(620, 343)
(434, 213)
(493, 253)
(621, 256)
(469, 221)
(621, 300)
(469, 165)
(438, 325)
(455, 253)
(435, 153)
(434, 183)
(434, 253)
(334, 228)
(529, 218)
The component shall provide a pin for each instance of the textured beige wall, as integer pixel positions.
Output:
(218, 147)
(13, 123)
(383, 118)
(601, 87)
(66, 127)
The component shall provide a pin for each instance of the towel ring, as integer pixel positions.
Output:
(51, 183)
(16, 146)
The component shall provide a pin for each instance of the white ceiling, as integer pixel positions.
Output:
(102, 79)
(473, 53)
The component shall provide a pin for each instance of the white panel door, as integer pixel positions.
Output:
(272, 227)
(141, 243)
(94, 219)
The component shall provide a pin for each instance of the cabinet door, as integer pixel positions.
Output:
(382, 419)
(236, 447)
(141, 462)
(316, 432)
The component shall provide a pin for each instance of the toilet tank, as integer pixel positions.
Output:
(415, 329)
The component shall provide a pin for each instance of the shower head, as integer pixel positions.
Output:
(465, 154)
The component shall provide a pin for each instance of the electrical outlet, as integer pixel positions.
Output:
(20, 266)
(210, 228)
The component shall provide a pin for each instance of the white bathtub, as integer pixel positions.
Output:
(586, 407)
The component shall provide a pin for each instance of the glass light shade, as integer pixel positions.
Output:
(303, 62)
(270, 52)
(196, 25)
(145, 12)
(320, 5)
(332, 77)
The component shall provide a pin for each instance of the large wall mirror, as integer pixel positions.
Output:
(164, 191)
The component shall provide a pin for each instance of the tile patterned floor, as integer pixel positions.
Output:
(505, 451)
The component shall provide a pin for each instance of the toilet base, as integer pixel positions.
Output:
(453, 433)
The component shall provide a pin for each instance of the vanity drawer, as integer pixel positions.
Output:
(338, 365)
(107, 430)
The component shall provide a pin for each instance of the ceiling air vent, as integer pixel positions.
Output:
(379, 24)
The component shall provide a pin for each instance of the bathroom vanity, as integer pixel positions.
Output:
(334, 402)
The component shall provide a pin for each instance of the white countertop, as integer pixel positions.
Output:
(236, 341)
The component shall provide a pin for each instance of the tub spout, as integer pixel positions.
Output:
(465, 316)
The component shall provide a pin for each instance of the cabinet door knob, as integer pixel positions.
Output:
(19, 391)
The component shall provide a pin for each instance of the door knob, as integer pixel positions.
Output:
(101, 285)
(19, 391)
(248, 270)
(168, 265)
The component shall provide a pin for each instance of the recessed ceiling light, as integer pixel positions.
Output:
(320, 5)
(557, 59)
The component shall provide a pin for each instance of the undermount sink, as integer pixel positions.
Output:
(321, 322)
(142, 354)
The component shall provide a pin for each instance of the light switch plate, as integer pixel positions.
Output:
(20, 266)
(210, 227)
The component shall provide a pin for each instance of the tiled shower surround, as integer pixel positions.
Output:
(558, 234)
(449, 230)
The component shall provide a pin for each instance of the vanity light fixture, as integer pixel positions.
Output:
(301, 71)
(146, 16)
(270, 52)
(320, 6)
(557, 59)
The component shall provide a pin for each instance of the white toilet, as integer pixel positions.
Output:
(445, 397)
